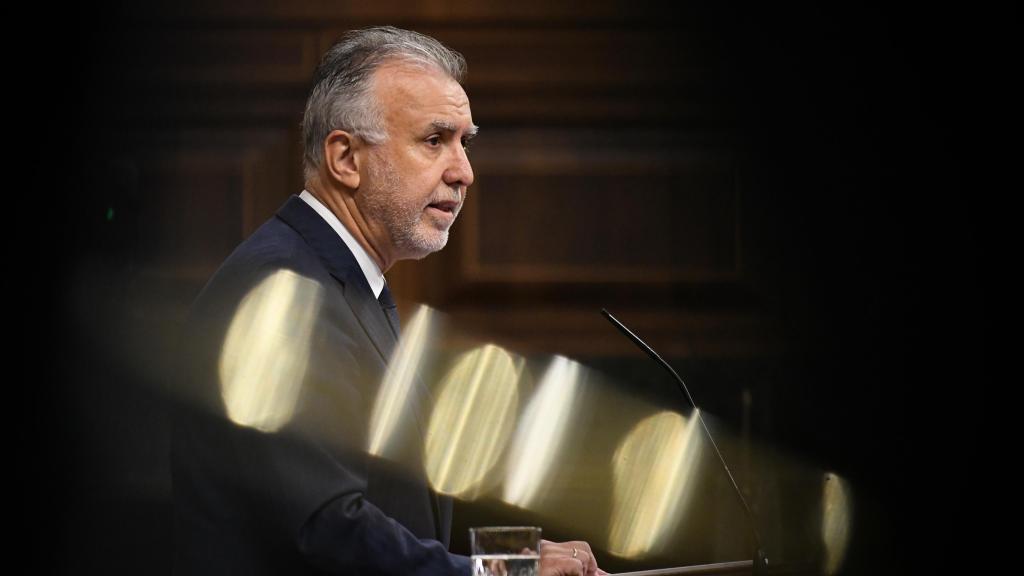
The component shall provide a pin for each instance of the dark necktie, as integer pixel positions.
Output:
(387, 304)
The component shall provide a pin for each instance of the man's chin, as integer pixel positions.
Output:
(427, 245)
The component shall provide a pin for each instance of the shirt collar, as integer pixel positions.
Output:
(374, 277)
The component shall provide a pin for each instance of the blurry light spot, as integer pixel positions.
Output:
(266, 351)
(653, 468)
(835, 525)
(392, 399)
(110, 214)
(472, 420)
(540, 433)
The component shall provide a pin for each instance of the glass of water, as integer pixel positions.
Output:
(505, 550)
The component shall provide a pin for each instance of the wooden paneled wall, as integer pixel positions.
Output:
(768, 193)
(606, 171)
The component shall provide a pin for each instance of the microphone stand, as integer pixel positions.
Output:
(760, 564)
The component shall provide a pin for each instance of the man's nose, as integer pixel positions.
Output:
(459, 171)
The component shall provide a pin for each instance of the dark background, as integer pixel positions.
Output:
(847, 297)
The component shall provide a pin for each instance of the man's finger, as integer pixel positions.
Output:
(584, 552)
(562, 566)
(577, 550)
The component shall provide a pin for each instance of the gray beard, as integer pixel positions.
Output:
(382, 205)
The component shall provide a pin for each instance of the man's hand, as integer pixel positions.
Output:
(567, 559)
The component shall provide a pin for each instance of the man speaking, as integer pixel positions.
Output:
(290, 339)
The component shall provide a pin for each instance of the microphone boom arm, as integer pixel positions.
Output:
(761, 562)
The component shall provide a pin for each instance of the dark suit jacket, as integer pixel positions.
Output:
(304, 497)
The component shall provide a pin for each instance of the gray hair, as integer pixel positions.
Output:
(342, 95)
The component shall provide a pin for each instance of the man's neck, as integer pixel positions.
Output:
(342, 208)
(371, 271)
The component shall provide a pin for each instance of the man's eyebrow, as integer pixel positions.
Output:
(446, 126)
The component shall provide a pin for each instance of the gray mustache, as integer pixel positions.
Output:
(456, 196)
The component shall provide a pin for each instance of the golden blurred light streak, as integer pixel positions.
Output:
(835, 525)
(389, 406)
(540, 433)
(472, 420)
(652, 472)
(266, 350)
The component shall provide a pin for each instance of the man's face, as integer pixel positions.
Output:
(415, 182)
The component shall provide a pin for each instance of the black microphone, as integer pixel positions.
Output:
(760, 560)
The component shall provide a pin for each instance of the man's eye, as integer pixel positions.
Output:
(434, 140)
(465, 144)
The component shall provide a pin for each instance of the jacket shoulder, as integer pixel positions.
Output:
(273, 247)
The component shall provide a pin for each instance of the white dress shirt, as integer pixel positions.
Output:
(374, 277)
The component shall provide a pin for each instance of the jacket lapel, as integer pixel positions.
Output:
(342, 265)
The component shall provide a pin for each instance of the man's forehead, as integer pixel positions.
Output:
(424, 95)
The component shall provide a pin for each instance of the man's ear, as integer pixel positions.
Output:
(342, 155)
